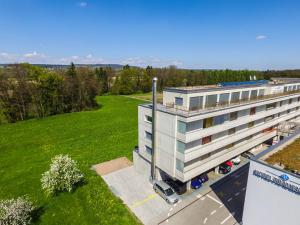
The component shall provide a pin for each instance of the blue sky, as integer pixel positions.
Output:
(204, 34)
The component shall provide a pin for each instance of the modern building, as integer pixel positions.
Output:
(273, 188)
(199, 128)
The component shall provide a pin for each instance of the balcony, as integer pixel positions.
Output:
(170, 107)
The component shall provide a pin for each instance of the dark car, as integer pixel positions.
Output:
(203, 177)
(196, 183)
(224, 169)
(178, 186)
(247, 155)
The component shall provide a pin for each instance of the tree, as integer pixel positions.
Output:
(16, 211)
(63, 175)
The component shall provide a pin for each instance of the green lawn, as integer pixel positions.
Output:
(89, 137)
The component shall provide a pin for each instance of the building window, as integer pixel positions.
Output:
(148, 118)
(196, 103)
(235, 97)
(208, 122)
(252, 111)
(224, 99)
(181, 127)
(253, 94)
(245, 95)
(148, 135)
(178, 101)
(269, 118)
(148, 150)
(219, 119)
(206, 140)
(179, 165)
(251, 124)
(271, 106)
(233, 116)
(180, 146)
(261, 92)
(231, 131)
(211, 100)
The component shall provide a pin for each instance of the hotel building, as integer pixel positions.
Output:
(199, 128)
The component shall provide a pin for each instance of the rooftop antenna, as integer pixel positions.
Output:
(154, 105)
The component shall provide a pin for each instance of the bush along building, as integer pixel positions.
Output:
(198, 128)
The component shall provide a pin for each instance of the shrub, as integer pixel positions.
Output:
(16, 211)
(62, 176)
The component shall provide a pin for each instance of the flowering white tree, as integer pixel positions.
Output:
(16, 211)
(62, 176)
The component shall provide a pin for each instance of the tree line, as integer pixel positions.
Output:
(28, 91)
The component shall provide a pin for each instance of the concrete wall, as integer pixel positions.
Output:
(267, 203)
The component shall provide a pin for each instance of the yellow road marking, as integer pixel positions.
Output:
(138, 203)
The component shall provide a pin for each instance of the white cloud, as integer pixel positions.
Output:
(261, 37)
(75, 57)
(36, 57)
(82, 4)
(151, 61)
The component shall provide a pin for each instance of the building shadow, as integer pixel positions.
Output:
(231, 190)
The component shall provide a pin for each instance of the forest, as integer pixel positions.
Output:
(29, 91)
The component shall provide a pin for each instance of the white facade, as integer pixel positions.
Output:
(267, 201)
(195, 134)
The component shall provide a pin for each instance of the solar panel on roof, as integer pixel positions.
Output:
(242, 83)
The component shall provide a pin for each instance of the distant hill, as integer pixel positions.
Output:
(59, 66)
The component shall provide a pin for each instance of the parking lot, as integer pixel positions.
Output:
(218, 201)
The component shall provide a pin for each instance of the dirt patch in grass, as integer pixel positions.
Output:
(112, 166)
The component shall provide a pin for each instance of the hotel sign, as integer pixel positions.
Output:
(281, 181)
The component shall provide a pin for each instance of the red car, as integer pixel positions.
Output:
(228, 163)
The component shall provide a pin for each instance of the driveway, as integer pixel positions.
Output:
(137, 193)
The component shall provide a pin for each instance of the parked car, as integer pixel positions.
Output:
(166, 192)
(177, 186)
(236, 160)
(228, 163)
(247, 155)
(203, 177)
(224, 169)
(196, 183)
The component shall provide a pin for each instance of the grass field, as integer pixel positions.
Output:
(89, 137)
(147, 96)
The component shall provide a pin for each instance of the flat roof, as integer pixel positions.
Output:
(284, 154)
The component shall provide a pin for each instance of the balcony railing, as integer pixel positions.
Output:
(172, 106)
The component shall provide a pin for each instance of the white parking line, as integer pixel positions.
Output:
(229, 199)
(213, 212)
(227, 218)
(221, 206)
(236, 194)
(214, 199)
(205, 220)
(167, 220)
(171, 209)
(202, 198)
(175, 205)
(168, 214)
(199, 196)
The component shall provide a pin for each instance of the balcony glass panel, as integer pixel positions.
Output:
(181, 127)
(196, 103)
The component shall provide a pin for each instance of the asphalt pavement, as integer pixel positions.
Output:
(222, 205)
